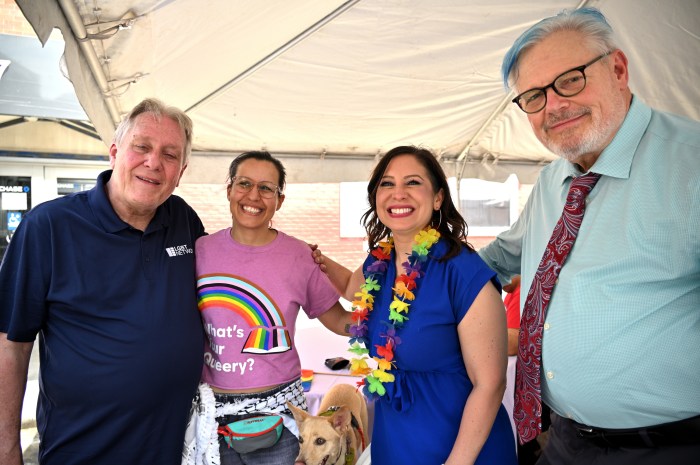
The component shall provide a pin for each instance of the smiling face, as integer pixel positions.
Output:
(576, 128)
(148, 163)
(251, 213)
(405, 198)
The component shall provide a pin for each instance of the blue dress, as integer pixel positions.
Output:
(417, 421)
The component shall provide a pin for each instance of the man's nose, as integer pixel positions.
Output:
(153, 159)
(554, 100)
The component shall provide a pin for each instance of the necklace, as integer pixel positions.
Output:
(404, 289)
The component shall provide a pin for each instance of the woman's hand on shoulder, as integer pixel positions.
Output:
(318, 257)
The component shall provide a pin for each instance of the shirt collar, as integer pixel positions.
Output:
(616, 159)
(108, 218)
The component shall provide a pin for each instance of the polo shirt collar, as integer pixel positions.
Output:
(108, 218)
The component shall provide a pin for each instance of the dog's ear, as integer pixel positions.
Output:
(342, 419)
(299, 414)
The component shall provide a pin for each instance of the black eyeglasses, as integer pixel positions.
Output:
(265, 189)
(567, 84)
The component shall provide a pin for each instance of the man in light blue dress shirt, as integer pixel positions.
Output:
(621, 339)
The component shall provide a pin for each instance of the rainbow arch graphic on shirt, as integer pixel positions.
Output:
(268, 332)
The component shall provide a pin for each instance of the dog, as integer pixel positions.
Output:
(337, 436)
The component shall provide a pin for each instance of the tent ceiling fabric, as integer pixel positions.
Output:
(352, 79)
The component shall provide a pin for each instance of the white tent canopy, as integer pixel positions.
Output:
(330, 84)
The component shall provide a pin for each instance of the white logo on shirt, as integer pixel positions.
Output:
(179, 250)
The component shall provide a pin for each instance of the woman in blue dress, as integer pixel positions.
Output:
(429, 334)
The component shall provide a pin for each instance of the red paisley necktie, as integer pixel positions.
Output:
(527, 411)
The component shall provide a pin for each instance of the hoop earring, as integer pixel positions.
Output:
(439, 220)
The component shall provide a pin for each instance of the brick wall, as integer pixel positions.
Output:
(311, 212)
(12, 20)
(209, 200)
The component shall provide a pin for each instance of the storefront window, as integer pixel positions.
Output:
(15, 201)
(66, 186)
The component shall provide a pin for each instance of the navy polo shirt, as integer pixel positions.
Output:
(120, 335)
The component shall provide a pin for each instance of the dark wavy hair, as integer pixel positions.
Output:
(262, 156)
(451, 225)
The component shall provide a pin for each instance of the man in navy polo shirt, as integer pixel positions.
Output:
(106, 279)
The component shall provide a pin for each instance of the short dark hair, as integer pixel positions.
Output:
(262, 156)
(452, 226)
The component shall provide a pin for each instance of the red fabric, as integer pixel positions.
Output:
(512, 303)
(527, 411)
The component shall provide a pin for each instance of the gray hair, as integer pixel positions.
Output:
(588, 21)
(157, 109)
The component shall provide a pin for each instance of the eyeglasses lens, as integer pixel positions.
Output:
(570, 84)
(566, 85)
(265, 189)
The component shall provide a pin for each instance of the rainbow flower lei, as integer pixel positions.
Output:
(404, 289)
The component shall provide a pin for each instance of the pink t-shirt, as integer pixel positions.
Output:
(249, 299)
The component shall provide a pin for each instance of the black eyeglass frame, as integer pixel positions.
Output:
(256, 185)
(581, 68)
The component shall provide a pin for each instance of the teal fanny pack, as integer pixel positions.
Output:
(253, 433)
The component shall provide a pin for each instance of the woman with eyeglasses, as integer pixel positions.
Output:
(251, 282)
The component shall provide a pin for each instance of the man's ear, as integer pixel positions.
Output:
(620, 68)
(182, 171)
(112, 155)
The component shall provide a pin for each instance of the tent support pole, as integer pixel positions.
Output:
(76, 25)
